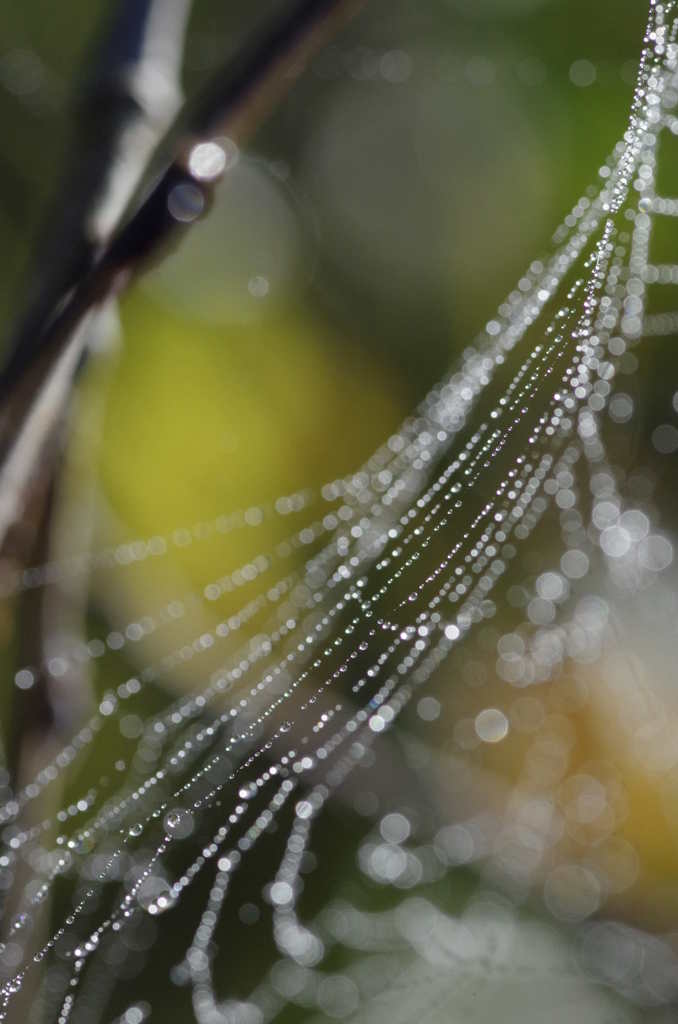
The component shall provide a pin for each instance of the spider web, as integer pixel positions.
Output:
(407, 560)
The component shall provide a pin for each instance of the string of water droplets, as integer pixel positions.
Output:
(435, 524)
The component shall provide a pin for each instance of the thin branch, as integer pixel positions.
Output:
(128, 102)
(233, 105)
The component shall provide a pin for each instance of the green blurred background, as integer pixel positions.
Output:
(354, 250)
(369, 231)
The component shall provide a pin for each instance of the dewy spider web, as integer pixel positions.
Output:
(406, 558)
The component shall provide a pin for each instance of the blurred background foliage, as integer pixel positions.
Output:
(354, 250)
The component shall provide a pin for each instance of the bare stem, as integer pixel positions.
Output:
(127, 102)
(233, 105)
(126, 105)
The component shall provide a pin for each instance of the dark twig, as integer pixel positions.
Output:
(233, 105)
(129, 100)
(131, 96)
